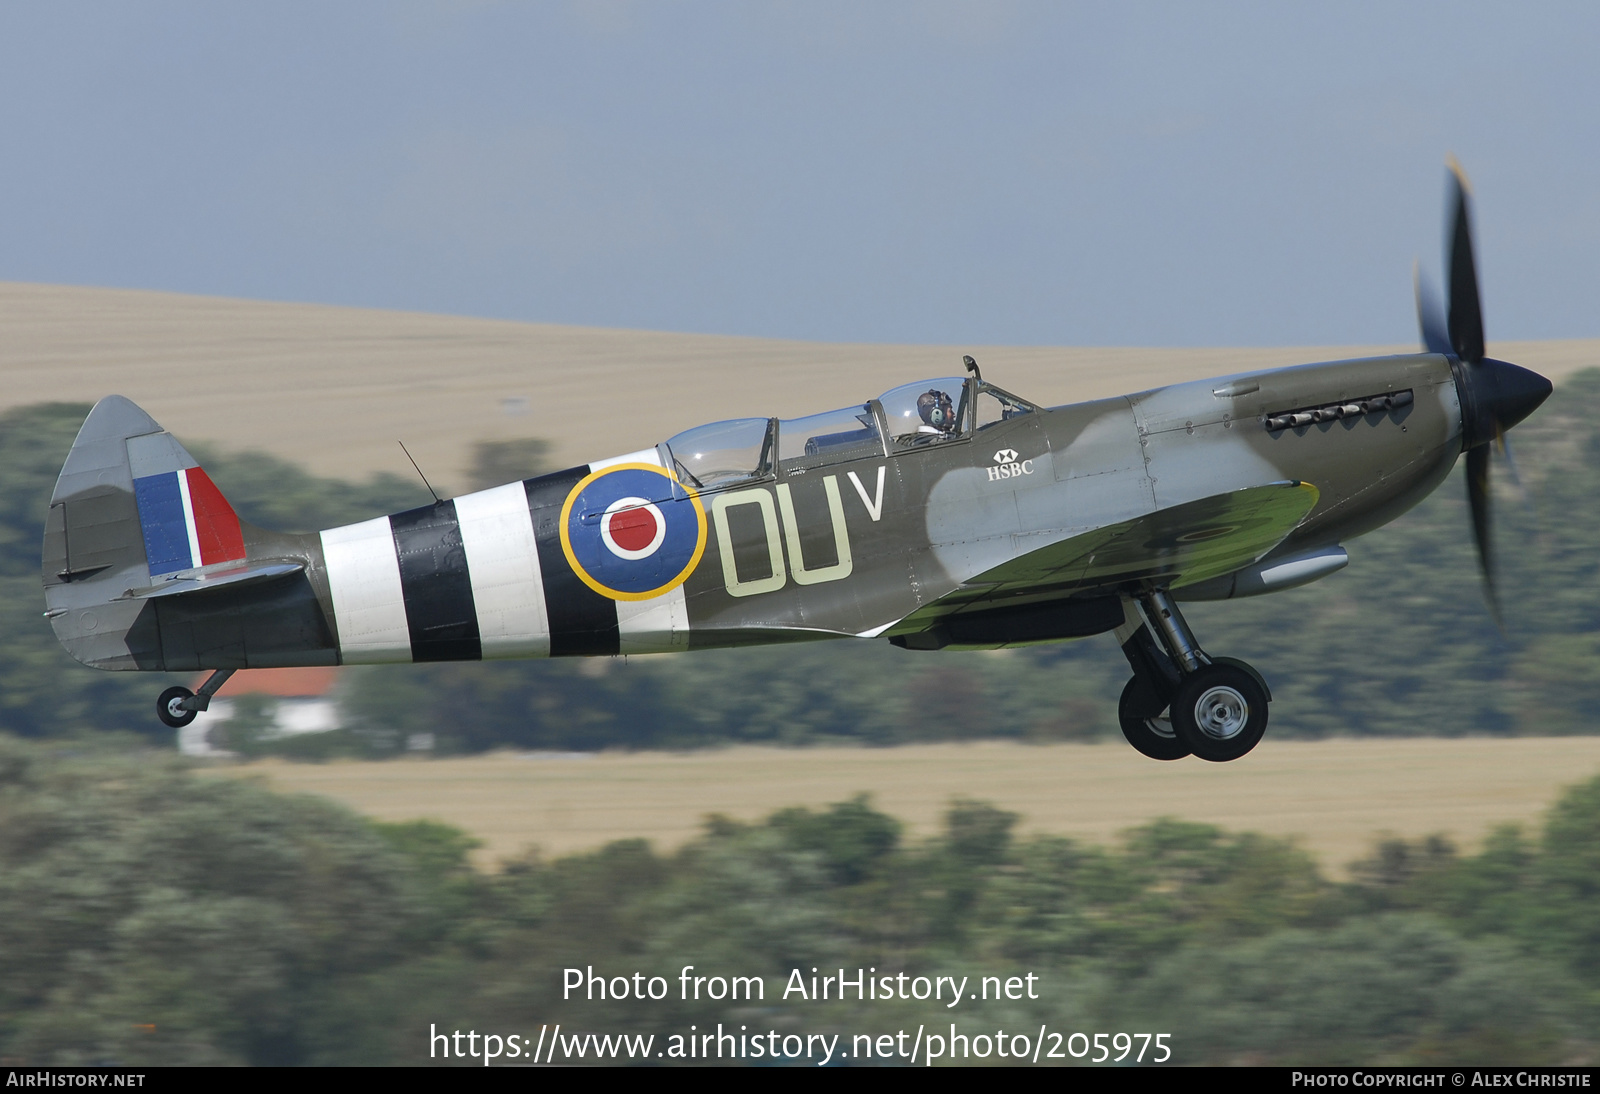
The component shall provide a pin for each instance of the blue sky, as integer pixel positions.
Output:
(1160, 174)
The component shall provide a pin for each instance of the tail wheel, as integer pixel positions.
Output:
(1151, 734)
(169, 711)
(1220, 712)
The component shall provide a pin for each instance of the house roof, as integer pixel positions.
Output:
(296, 683)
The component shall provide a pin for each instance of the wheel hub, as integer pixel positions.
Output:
(1221, 713)
(1161, 726)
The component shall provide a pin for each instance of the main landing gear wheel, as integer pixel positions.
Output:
(168, 710)
(1220, 712)
(1152, 735)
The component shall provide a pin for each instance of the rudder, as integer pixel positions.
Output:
(131, 508)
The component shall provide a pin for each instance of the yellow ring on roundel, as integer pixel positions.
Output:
(618, 594)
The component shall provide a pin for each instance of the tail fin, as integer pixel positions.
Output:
(132, 509)
(185, 521)
(130, 496)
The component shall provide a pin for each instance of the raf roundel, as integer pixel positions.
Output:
(633, 528)
(630, 532)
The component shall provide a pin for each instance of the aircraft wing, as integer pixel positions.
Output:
(1176, 546)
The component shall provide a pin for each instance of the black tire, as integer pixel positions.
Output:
(1151, 735)
(167, 709)
(1220, 712)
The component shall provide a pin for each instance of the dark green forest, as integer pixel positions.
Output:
(150, 915)
(1399, 643)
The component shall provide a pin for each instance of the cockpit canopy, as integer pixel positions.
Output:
(723, 453)
(909, 417)
(926, 412)
(830, 437)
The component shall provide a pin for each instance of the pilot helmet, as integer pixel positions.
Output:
(937, 410)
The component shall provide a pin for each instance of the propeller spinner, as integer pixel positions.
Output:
(1494, 395)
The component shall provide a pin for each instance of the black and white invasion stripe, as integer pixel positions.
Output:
(484, 576)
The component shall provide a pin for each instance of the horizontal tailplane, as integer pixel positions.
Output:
(134, 522)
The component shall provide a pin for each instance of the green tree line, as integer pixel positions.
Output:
(1399, 643)
(150, 915)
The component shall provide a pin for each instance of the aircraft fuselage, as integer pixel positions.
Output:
(866, 538)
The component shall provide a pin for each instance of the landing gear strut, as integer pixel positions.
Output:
(177, 706)
(1180, 701)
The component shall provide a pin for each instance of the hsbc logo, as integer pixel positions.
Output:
(1007, 466)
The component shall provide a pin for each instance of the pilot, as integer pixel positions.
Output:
(938, 414)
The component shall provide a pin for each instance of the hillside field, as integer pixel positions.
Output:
(333, 388)
(1336, 795)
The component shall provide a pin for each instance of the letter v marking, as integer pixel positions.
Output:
(874, 506)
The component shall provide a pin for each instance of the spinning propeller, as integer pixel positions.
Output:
(1495, 395)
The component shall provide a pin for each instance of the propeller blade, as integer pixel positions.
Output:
(1495, 395)
(1478, 499)
(1466, 313)
(1430, 314)
(1504, 446)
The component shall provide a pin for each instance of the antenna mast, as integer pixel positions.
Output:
(436, 499)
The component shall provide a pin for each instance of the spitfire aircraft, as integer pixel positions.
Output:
(945, 513)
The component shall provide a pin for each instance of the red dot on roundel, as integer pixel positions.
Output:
(633, 529)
